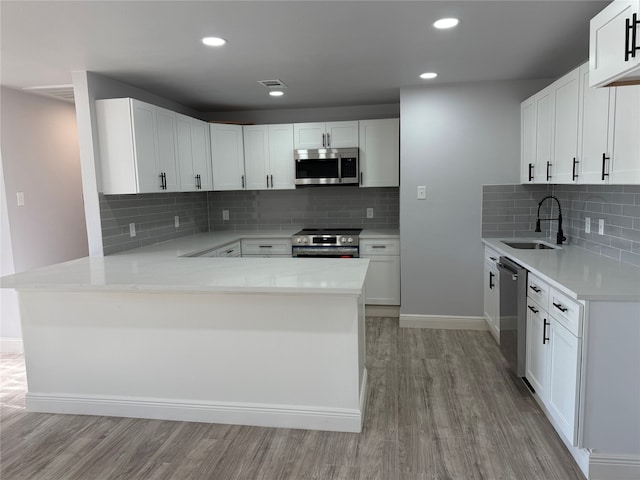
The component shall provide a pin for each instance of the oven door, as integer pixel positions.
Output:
(326, 252)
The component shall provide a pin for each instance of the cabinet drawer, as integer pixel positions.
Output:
(491, 256)
(230, 250)
(566, 311)
(266, 246)
(379, 247)
(538, 290)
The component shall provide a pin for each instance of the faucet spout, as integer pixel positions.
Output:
(560, 235)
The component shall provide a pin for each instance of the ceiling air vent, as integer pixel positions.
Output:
(272, 83)
(61, 92)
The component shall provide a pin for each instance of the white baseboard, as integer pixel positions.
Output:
(382, 311)
(363, 397)
(604, 466)
(443, 322)
(11, 345)
(262, 415)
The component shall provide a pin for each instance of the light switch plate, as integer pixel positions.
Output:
(422, 192)
(587, 224)
(20, 196)
(225, 214)
(132, 229)
(601, 226)
(176, 221)
(369, 212)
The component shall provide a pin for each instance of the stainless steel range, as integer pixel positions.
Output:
(327, 242)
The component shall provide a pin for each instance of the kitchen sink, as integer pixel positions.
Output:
(530, 245)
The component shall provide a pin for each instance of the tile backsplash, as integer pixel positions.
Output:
(154, 213)
(330, 207)
(504, 214)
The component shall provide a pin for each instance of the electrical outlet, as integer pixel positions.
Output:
(601, 226)
(422, 192)
(587, 224)
(225, 214)
(132, 229)
(176, 221)
(20, 196)
(369, 212)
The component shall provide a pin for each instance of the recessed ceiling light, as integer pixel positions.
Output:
(428, 75)
(214, 41)
(446, 23)
(276, 93)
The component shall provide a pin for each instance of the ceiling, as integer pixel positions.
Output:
(328, 53)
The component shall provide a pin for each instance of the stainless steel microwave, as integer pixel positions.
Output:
(327, 166)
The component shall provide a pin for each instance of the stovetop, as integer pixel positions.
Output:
(329, 231)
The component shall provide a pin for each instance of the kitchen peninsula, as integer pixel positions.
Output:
(154, 333)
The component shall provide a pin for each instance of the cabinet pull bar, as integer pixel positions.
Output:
(267, 181)
(534, 288)
(548, 174)
(560, 307)
(493, 258)
(328, 139)
(242, 178)
(491, 284)
(630, 39)
(545, 339)
(360, 178)
(271, 180)
(533, 309)
(531, 172)
(229, 251)
(323, 140)
(265, 246)
(574, 175)
(604, 163)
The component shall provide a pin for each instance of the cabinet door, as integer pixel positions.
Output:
(309, 135)
(492, 298)
(596, 129)
(256, 156)
(564, 366)
(145, 144)
(166, 151)
(607, 43)
(201, 149)
(544, 105)
(382, 285)
(379, 152)
(565, 141)
(537, 348)
(227, 157)
(342, 134)
(527, 140)
(282, 171)
(185, 153)
(625, 160)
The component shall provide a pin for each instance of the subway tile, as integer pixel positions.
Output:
(631, 211)
(629, 257)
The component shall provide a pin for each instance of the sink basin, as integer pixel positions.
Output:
(530, 245)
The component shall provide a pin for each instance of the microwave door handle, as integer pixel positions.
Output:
(339, 169)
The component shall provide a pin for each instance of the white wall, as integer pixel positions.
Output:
(297, 115)
(40, 158)
(453, 139)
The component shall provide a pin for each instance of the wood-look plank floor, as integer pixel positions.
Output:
(441, 405)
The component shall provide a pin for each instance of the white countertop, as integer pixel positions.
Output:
(576, 272)
(164, 267)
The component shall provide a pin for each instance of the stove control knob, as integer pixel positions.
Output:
(350, 240)
(304, 240)
(343, 240)
(298, 240)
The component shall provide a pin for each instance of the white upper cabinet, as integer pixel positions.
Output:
(268, 157)
(194, 155)
(380, 153)
(614, 44)
(625, 159)
(325, 135)
(138, 149)
(544, 108)
(527, 139)
(566, 91)
(227, 157)
(596, 129)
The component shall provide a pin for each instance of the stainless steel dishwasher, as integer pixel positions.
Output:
(513, 314)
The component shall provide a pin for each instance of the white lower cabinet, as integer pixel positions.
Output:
(492, 293)
(266, 247)
(382, 285)
(554, 353)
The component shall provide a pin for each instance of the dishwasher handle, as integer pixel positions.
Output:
(505, 268)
